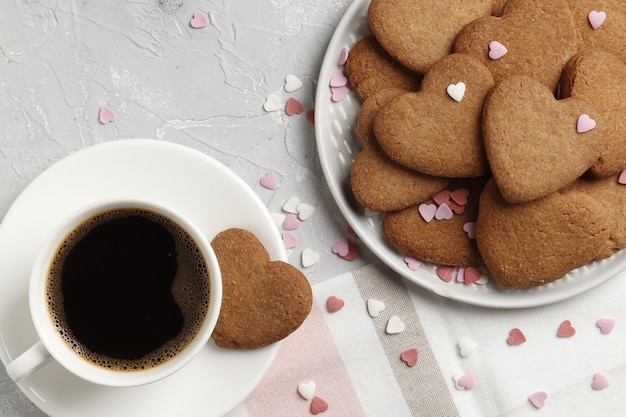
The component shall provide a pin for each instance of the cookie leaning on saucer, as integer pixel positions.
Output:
(263, 301)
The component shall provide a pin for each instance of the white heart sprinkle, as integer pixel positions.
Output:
(307, 390)
(456, 377)
(394, 325)
(466, 347)
(375, 307)
(292, 83)
(291, 205)
(456, 91)
(309, 257)
(304, 211)
(272, 103)
(482, 280)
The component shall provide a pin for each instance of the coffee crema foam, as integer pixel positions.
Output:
(190, 291)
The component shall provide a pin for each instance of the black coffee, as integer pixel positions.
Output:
(128, 289)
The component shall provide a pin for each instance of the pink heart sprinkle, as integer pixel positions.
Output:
(427, 211)
(599, 382)
(460, 275)
(443, 212)
(468, 381)
(341, 247)
(472, 275)
(446, 273)
(497, 50)
(291, 222)
(596, 19)
(538, 399)
(318, 405)
(456, 208)
(343, 56)
(606, 325)
(339, 93)
(410, 356)
(269, 180)
(334, 304)
(412, 263)
(200, 20)
(585, 123)
(442, 197)
(289, 241)
(310, 116)
(338, 79)
(293, 107)
(566, 329)
(516, 337)
(460, 196)
(107, 115)
(470, 229)
(622, 177)
(352, 254)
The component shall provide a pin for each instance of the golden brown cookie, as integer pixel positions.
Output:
(535, 143)
(612, 196)
(437, 130)
(377, 182)
(534, 38)
(531, 244)
(498, 7)
(370, 68)
(598, 77)
(440, 230)
(602, 24)
(417, 33)
(263, 301)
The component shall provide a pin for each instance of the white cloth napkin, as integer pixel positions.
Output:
(354, 367)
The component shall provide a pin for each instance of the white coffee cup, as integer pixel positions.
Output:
(53, 345)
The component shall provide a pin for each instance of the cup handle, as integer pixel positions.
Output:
(28, 362)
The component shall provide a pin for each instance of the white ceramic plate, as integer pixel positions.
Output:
(338, 144)
(194, 184)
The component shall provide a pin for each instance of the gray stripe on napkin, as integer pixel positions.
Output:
(423, 385)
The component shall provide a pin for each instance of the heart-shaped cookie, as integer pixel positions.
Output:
(534, 243)
(440, 241)
(531, 139)
(377, 182)
(602, 24)
(370, 68)
(598, 78)
(539, 37)
(418, 33)
(437, 130)
(263, 301)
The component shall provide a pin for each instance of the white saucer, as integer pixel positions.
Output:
(192, 183)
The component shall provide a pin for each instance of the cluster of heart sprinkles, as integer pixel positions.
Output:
(293, 106)
(599, 381)
(339, 87)
(462, 379)
(307, 391)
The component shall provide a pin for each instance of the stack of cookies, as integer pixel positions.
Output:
(494, 132)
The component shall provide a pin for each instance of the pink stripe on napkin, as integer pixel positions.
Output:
(308, 354)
